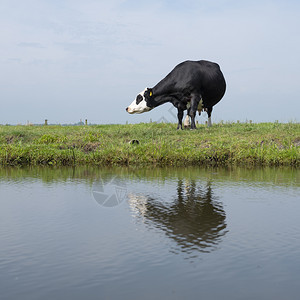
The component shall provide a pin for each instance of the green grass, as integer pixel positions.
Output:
(263, 144)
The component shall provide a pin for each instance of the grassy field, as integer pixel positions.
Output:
(263, 144)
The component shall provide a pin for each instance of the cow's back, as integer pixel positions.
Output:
(200, 77)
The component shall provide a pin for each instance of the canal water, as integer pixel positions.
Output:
(188, 233)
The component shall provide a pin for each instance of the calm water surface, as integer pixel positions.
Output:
(149, 233)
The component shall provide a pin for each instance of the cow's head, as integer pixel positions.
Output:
(142, 103)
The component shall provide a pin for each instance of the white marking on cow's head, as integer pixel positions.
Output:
(139, 105)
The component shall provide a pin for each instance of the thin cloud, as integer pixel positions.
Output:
(31, 45)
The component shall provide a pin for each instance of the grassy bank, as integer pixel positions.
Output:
(264, 144)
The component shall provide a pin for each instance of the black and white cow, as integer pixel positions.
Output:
(191, 85)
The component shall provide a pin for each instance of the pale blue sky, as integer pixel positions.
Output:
(66, 60)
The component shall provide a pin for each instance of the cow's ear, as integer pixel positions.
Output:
(148, 93)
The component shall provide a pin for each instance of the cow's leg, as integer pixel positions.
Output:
(180, 117)
(193, 109)
(209, 110)
(188, 111)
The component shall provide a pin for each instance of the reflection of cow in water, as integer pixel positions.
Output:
(194, 219)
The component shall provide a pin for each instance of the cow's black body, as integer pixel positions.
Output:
(189, 83)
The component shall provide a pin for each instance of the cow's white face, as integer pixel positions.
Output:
(139, 105)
